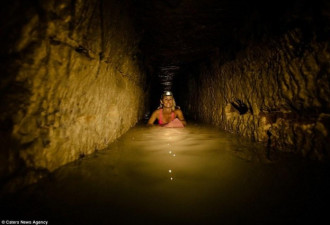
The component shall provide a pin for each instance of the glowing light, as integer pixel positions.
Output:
(168, 93)
(171, 178)
(170, 152)
(173, 154)
(170, 171)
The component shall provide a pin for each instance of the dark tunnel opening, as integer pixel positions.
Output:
(78, 75)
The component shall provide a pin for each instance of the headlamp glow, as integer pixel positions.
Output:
(167, 93)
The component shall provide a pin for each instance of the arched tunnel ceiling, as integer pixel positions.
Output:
(176, 32)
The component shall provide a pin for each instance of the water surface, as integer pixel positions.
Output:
(193, 175)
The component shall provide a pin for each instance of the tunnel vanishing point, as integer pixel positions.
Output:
(76, 75)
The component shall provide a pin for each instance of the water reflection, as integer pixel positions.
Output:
(195, 175)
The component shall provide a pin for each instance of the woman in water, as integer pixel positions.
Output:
(168, 115)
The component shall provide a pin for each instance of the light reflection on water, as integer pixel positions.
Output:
(192, 175)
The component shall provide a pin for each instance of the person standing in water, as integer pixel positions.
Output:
(167, 115)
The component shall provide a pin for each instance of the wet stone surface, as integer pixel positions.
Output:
(192, 175)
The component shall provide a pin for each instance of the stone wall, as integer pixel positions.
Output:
(71, 83)
(276, 92)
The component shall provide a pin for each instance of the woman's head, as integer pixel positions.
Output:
(167, 100)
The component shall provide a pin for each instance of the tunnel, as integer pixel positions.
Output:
(80, 80)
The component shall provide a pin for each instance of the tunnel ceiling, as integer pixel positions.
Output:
(182, 31)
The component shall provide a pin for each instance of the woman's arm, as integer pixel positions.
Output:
(180, 116)
(152, 118)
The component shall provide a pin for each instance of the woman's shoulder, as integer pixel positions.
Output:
(157, 111)
(177, 111)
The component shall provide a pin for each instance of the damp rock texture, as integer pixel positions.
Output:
(276, 92)
(71, 83)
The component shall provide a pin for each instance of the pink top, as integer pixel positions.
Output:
(160, 121)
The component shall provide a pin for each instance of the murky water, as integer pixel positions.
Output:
(194, 175)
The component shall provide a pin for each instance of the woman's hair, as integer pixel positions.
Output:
(167, 93)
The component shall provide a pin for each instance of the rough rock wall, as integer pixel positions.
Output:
(72, 83)
(276, 92)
